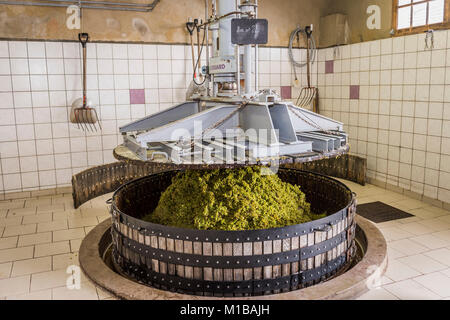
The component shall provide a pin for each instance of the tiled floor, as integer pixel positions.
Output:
(40, 238)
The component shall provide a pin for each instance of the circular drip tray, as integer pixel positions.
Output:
(364, 271)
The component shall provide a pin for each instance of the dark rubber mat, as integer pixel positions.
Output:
(380, 212)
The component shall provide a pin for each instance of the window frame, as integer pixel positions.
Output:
(413, 30)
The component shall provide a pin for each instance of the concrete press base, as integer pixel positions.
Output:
(349, 285)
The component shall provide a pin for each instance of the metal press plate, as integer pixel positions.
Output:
(123, 153)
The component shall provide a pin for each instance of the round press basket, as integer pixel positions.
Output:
(233, 263)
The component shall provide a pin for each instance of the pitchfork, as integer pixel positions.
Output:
(82, 113)
(307, 94)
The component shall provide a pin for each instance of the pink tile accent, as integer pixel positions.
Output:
(329, 66)
(137, 96)
(286, 92)
(354, 92)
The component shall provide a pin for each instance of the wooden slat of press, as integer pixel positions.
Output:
(131, 254)
(162, 265)
(198, 248)
(238, 251)
(162, 245)
(148, 261)
(268, 270)
(217, 272)
(188, 270)
(340, 229)
(311, 242)
(318, 259)
(317, 239)
(170, 245)
(207, 271)
(178, 267)
(198, 272)
(276, 271)
(286, 267)
(136, 256)
(337, 247)
(335, 232)
(344, 243)
(323, 256)
(227, 272)
(303, 244)
(123, 229)
(238, 273)
(296, 244)
(141, 238)
(257, 250)
(329, 253)
(248, 251)
(154, 244)
(310, 261)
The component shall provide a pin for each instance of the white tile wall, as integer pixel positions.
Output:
(401, 123)
(40, 149)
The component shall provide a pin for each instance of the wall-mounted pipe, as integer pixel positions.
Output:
(256, 54)
(207, 47)
(103, 5)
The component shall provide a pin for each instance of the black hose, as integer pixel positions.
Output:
(198, 60)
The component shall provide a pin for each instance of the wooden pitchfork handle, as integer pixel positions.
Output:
(308, 32)
(84, 38)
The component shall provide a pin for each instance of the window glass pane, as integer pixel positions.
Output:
(403, 2)
(436, 11)
(404, 18)
(419, 15)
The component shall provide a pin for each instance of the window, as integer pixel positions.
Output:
(419, 15)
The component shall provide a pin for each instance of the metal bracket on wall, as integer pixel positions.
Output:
(103, 5)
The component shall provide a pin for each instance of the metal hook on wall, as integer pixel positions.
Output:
(336, 53)
(429, 35)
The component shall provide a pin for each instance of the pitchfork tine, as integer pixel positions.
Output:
(98, 120)
(301, 97)
(304, 97)
(75, 114)
(78, 118)
(89, 116)
(311, 94)
(87, 120)
(83, 119)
